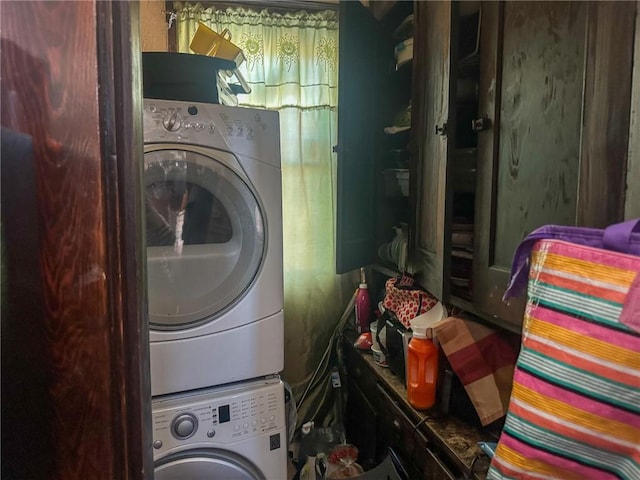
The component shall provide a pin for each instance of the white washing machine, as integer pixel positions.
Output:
(213, 203)
(236, 432)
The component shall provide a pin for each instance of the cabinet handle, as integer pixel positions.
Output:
(441, 129)
(481, 124)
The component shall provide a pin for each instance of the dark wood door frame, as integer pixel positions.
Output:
(71, 84)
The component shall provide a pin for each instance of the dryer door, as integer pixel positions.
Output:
(203, 464)
(205, 236)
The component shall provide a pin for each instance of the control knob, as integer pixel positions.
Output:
(172, 122)
(184, 425)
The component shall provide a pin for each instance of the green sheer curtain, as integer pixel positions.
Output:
(292, 67)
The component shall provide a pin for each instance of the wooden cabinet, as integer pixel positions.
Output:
(520, 118)
(373, 93)
(376, 420)
(433, 140)
(547, 136)
(361, 419)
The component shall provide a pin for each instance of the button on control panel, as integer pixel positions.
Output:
(184, 425)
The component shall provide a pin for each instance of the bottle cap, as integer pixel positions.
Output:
(363, 285)
(306, 428)
(419, 331)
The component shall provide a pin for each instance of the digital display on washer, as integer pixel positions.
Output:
(223, 414)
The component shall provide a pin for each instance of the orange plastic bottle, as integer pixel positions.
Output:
(422, 370)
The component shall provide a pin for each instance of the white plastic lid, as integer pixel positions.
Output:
(420, 331)
(422, 323)
(363, 285)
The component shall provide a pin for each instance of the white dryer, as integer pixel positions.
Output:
(213, 203)
(235, 432)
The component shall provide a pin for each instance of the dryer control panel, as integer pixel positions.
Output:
(243, 131)
(218, 417)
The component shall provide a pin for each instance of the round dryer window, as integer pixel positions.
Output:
(201, 464)
(205, 235)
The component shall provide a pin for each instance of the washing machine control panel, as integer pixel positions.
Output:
(221, 420)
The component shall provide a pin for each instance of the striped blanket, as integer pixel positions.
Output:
(574, 411)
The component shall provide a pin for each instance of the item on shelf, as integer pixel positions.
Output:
(462, 253)
(469, 44)
(403, 52)
(378, 339)
(182, 76)
(406, 299)
(225, 92)
(397, 342)
(342, 461)
(393, 129)
(212, 44)
(379, 357)
(315, 442)
(364, 341)
(422, 360)
(363, 305)
(403, 118)
(460, 281)
(405, 29)
(486, 378)
(396, 251)
(396, 182)
(462, 239)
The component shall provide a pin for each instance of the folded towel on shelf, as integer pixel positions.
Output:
(483, 360)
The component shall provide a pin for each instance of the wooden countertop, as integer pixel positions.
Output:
(455, 438)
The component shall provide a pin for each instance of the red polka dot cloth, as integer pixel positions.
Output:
(406, 299)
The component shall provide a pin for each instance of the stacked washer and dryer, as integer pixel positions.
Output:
(213, 203)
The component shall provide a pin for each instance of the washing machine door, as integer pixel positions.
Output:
(203, 464)
(205, 235)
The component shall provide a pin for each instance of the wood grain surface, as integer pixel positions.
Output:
(607, 106)
(430, 110)
(52, 72)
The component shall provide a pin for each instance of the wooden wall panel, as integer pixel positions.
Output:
(607, 99)
(153, 26)
(632, 197)
(60, 76)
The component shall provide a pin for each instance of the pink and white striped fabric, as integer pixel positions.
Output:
(574, 411)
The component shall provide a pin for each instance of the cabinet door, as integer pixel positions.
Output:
(395, 430)
(358, 88)
(361, 425)
(432, 142)
(531, 88)
(427, 462)
(361, 419)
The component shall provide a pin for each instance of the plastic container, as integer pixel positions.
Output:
(213, 44)
(374, 340)
(404, 52)
(182, 76)
(379, 357)
(363, 305)
(422, 370)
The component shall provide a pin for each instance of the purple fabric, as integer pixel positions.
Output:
(621, 237)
